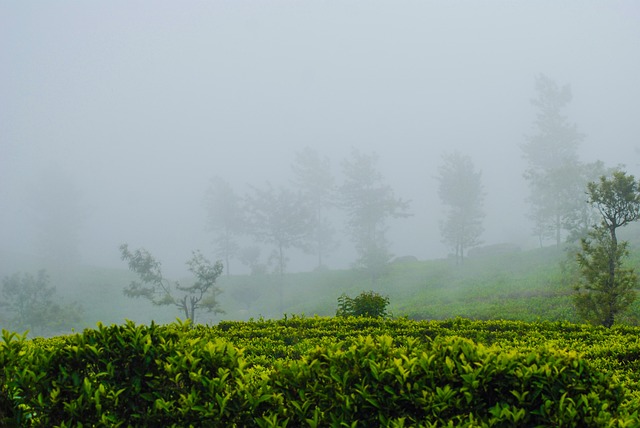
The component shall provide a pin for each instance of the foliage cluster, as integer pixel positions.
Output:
(608, 286)
(301, 216)
(29, 302)
(348, 370)
(460, 189)
(556, 176)
(366, 304)
(153, 286)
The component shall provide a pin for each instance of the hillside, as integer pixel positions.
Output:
(515, 285)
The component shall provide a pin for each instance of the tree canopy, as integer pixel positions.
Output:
(554, 171)
(153, 286)
(461, 191)
(225, 218)
(608, 287)
(369, 202)
(29, 302)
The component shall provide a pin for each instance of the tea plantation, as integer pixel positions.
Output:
(325, 372)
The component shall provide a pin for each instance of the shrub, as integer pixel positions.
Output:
(378, 373)
(366, 304)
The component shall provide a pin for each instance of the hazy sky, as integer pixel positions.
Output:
(141, 103)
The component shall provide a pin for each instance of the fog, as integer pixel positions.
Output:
(135, 106)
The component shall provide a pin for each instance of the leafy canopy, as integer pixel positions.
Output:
(366, 304)
(159, 291)
(607, 287)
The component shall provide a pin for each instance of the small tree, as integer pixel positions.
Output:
(461, 191)
(607, 287)
(313, 177)
(278, 217)
(367, 304)
(159, 291)
(225, 218)
(553, 166)
(30, 304)
(369, 202)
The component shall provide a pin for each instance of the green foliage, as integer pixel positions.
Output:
(449, 380)
(599, 296)
(617, 198)
(30, 303)
(344, 371)
(366, 304)
(155, 288)
(607, 288)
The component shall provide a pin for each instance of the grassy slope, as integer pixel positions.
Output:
(524, 285)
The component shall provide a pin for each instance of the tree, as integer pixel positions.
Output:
(367, 304)
(250, 256)
(461, 191)
(579, 219)
(313, 177)
(30, 303)
(225, 218)
(607, 288)
(202, 293)
(279, 217)
(552, 155)
(369, 203)
(59, 212)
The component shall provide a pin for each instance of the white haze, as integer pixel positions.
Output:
(141, 103)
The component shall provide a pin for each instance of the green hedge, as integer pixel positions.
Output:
(175, 375)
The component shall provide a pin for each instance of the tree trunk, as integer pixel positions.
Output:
(281, 286)
(558, 230)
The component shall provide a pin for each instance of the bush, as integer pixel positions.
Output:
(367, 304)
(385, 382)
(177, 375)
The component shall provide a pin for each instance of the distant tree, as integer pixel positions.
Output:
(281, 218)
(553, 168)
(225, 218)
(313, 177)
(202, 293)
(366, 304)
(607, 288)
(250, 256)
(57, 208)
(246, 295)
(30, 303)
(581, 216)
(278, 217)
(369, 203)
(461, 191)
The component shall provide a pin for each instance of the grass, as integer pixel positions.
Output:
(521, 285)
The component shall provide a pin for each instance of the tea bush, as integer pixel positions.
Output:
(324, 372)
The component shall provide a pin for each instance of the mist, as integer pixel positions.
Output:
(134, 107)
